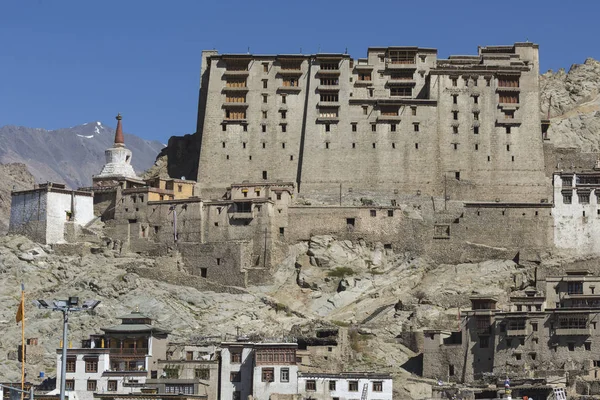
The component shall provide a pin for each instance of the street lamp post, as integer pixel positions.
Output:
(66, 306)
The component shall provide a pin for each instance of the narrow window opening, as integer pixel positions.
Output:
(264, 128)
(264, 174)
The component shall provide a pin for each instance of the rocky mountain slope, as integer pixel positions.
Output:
(69, 155)
(372, 293)
(572, 100)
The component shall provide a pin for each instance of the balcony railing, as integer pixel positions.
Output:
(573, 331)
(406, 64)
(516, 332)
(140, 351)
(126, 372)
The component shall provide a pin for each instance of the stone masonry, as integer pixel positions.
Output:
(399, 120)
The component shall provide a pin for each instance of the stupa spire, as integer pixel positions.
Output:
(119, 138)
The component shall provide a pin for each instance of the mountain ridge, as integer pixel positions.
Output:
(70, 155)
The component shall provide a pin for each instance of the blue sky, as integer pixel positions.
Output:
(66, 62)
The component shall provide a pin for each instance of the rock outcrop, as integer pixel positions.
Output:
(572, 100)
(374, 295)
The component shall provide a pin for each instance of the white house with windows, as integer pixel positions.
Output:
(118, 361)
(345, 386)
(258, 369)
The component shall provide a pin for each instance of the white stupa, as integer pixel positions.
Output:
(118, 158)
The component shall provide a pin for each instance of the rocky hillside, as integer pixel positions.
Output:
(372, 293)
(69, 155)
(14, 177)
(572, 99)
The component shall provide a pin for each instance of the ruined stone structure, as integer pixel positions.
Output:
(549, 333)
(399, 120)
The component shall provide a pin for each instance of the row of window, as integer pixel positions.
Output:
(240, 114)
(332, 114)
(584, 198)
(92, 385)
(504, 81)
(91, 365)
(311, 385)
(505, 98)
(374, 146)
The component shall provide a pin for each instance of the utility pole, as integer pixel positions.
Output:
(340, 194)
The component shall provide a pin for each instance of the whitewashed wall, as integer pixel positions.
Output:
(57, 207)
(263, 390)
(246, 369)
(574, 230)
(341, 391)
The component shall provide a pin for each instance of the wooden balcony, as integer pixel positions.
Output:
(401, 65)
(573, 331)
(140, 351)
(516, 332)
